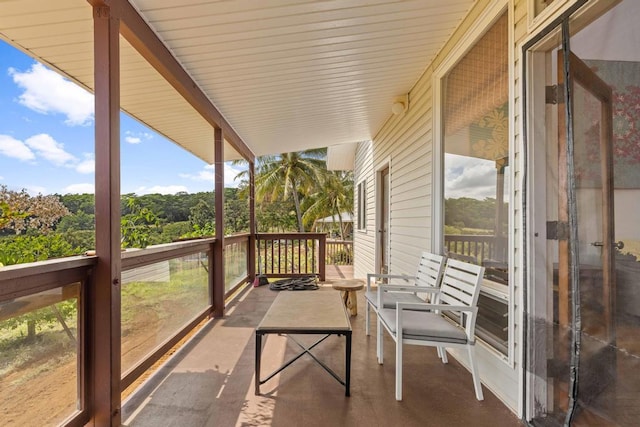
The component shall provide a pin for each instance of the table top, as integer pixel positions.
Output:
(306, 311)
(348, 285)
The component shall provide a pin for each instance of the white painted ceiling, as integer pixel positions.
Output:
(286, 74)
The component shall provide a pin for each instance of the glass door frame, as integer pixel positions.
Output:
(533, 390)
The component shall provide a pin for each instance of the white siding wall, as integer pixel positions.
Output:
(406, 142)
(364, 240)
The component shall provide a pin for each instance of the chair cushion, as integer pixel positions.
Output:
(423, 325)
(390, 298)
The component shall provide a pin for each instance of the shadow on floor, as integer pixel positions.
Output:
(210, 382)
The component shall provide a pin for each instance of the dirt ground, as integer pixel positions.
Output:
(44, 391)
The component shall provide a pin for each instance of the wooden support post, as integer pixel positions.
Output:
(218, 253)
(104, 361)
(251, 249)
(322, 257)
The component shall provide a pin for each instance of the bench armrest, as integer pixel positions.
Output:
(418, 306)
(402, 288)
(404, 277)
(408, 288)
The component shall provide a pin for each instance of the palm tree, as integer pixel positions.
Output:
(334, 198)
(292, 175)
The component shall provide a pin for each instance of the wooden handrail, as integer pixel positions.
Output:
(26, 279)
(157, 253)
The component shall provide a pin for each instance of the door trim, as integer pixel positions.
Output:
(385, 164)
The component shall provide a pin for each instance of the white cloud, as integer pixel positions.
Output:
(469, 177)
(1, 178)
(160, 189)
(136, 137)
(34, 190)
(88, 165)
(132, 139)
(208, 174)
(11, 147)
(81, 188)
(45, 146)
(47, 92)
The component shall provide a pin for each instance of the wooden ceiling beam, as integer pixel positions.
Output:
(138, 33)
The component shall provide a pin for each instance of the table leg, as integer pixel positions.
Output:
(347, 378)
(350, 299)
(353, 303)
(258, 356)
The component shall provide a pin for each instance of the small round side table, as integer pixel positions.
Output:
(348, 288)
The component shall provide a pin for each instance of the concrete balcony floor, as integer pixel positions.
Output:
(210, 381)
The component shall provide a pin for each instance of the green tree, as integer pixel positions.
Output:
(79, 203)
(236, 211)
(31, 248)
(78, 221)
(290, 175)
(470, 213)
(174, 230)
(137, 225)
(333, 198)
(202, 215)
(275, 217)
(28, 248)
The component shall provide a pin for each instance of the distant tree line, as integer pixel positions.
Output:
(466, 212)
(292, 191)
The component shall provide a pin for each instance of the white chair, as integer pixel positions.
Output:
(427, 276)
(425, 323)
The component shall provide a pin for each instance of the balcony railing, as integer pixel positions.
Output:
(339, 252)
(476, 248)
(291, 254)
(165, 291)
(37, 296)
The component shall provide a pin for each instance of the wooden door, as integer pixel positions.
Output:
(593, 205)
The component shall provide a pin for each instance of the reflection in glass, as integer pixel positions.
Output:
(39, 357)
(476, 171)
(235, 264)
(158, 300)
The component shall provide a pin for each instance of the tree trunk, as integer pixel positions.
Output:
(341, 227)
(296, 201)
(31, 330)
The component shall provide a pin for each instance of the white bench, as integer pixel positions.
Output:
(404, 287)
(425, 324)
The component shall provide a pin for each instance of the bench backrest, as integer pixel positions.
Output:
(460, 286)
(430, 269)
(429, 272)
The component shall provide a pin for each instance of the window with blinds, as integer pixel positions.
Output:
(475, 122)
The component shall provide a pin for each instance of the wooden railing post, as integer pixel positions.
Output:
(322, 257)
(218, 253)
(251, 245)
(211, 277)
(104, 365)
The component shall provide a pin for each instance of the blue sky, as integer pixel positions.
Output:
(47, 139)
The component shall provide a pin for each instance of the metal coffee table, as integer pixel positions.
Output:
(306, 312)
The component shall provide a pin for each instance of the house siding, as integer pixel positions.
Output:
(406, 142)
(364, 240)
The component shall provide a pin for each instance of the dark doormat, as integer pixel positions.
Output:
(306, 283)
